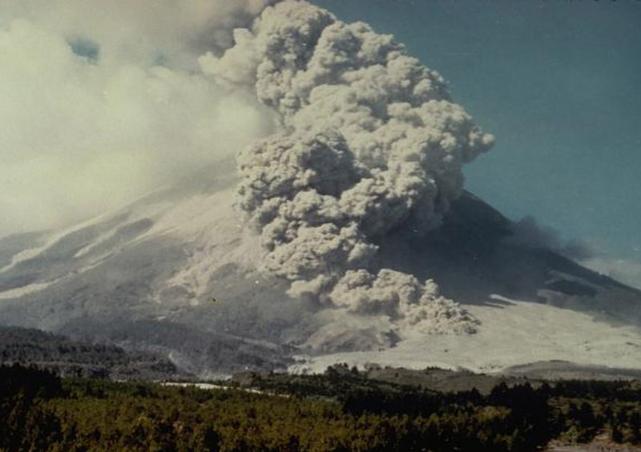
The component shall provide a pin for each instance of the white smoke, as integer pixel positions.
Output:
(371, 143)
(628, 271)
(141, 32)
(104, 100)
(530, 233)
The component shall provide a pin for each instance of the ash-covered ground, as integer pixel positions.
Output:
(312, 208)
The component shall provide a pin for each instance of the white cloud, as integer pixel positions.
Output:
(627, 271)
(83, 134)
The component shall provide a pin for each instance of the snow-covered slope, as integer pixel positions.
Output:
(513, 332)
(145, 276)
(176, 272)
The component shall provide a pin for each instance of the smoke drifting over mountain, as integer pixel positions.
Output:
(103, 101)
(362, 140)
(344, 230)
(371, 143)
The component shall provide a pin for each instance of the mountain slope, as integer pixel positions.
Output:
(72, 358)
(176, 273)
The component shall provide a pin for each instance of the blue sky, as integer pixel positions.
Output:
(559, 84)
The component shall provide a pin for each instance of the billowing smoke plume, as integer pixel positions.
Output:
(111, 99)
(104, 100)
(371, 143)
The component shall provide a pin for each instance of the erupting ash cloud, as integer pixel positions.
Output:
(370, 143)
(113, 99)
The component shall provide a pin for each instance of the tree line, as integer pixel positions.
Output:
(335, 411)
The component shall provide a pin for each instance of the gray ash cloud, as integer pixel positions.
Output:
(370, 143)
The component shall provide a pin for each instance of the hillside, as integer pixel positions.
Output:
(144, 277)
(69, 358)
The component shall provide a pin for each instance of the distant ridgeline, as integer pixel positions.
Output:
(69, 358)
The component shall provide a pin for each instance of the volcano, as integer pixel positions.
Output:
(144, 276)
(312, 209)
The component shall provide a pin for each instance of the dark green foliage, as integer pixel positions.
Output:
(80, 359)
(342, 410)
(23, 421)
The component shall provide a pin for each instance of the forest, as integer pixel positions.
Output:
(76, 358)
(340, 410)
